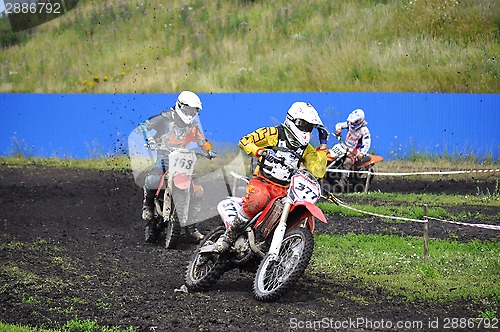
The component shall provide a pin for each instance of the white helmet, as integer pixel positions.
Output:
(356, 119)
(300, 121)
(188, 106)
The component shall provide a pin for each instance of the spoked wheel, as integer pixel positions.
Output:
(172, 231)
(204, 269)
(274, 277)
(151, 232)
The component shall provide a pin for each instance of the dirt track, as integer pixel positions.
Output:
(72, 247)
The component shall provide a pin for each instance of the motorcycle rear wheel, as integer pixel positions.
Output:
(273, 278)
(200, 277)
(152, 231)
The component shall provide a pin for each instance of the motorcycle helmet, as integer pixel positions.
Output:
(187, 106)
(356, 119)
(300, 121)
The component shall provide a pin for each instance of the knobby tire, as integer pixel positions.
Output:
(172, 231)
(274, 279)
(199, 278)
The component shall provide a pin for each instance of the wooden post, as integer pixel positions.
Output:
(368, 180)
(426, 235)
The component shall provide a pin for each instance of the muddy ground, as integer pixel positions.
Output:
(71, 246)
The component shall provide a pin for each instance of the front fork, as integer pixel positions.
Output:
(279, 233)
(181, 198)
(167, 203)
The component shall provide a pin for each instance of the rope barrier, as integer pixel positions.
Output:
(485, 226)
(340, 203)
(414, 173)
(381, 215)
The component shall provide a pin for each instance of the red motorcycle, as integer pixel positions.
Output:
(360, 175)
(276, 245)
(173, 199)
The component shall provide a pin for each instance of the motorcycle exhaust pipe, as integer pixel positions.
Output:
(251, 241)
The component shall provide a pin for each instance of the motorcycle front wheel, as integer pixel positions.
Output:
(204, 270)
(172, 230)
(274, 277)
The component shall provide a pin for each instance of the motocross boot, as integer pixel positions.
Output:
(230, 235)
(148, 205)
(348, 163)
(194, 233)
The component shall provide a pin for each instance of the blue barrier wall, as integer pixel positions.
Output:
(90, 125)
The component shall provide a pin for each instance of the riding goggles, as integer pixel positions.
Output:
(356, 124)
(190, 111)
(303, 125)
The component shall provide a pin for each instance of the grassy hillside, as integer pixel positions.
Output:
(230, 46)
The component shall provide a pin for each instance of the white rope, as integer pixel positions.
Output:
(485, 226)
(380, 215)
(414, 173)
(494, 227)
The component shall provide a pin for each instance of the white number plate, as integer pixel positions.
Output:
(304, 189)
(181, 161)
(337, 151)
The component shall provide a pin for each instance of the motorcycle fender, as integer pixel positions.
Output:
(376, 159)
(182, 181)
(313, 209)
(371, 160)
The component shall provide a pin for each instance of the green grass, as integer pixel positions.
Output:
(122, 162)
(231, 46)
(75, 325)
(105, 163)
(454, 270)
(379, 198)
(413, 205)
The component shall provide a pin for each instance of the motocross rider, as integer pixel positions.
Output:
(175, 127)
(358, 140)
(270, 179)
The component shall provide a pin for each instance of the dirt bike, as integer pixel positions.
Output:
(176, 189)
(276, 245)
(356, 182)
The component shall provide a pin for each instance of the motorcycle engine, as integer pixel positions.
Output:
(242, 247)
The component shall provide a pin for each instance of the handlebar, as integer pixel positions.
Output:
(168, 148)
(339, 138)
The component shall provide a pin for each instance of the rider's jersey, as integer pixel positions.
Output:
(170, 132)
(314, 159)
(358, 140)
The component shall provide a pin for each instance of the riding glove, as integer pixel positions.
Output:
(323, 134)
(151, 143)
(212, 154)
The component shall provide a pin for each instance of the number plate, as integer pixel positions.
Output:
(337, 151)
(181, 161)
(303, 189)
